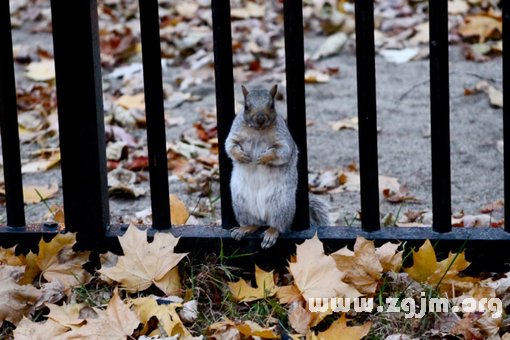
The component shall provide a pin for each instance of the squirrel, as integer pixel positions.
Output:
(265, 177)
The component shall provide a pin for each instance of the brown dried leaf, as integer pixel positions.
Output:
(15, 300)
(116, 323)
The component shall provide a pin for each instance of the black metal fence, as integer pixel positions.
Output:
(82, 141)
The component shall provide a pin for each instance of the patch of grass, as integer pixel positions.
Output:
(206, 280)
(97, 293)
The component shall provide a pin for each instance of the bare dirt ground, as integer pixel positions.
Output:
(403, 118)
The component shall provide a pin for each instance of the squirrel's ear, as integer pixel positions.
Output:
(273, 90)
(245, 91)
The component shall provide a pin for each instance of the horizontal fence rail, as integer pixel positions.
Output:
(82, 138)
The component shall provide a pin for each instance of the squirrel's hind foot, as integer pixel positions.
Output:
(269, 238)
(240, 232)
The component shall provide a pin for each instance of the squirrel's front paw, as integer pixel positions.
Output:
(239, 232)
(267, 157)
(241, 156)
(269, 238)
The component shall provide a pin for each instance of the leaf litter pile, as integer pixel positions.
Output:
(258, 46)
(150, 292)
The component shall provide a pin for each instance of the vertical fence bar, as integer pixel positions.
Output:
(506, 108)
(224, 78)
(9, 124)
(296, 106)
(81, 119)
(367, 115)
(440, 116)
(154, 108)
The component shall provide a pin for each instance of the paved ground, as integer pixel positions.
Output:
(404, 145)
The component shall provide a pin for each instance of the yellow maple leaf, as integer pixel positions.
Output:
(250, 328)
(340, 331)
(144, 263)
(15, 299)
(8, 257)
(116, 322)
(166, 314)
(316, 274)
(179, 213)
(242, 291)
(426, 269)
(57, 260)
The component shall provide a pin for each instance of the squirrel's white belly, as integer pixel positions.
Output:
(255, 184)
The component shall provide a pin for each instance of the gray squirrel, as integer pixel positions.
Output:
(264, 177)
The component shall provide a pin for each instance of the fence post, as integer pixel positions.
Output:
(367, 115)
(440, 116)
(296, 105)
(155, 113)
(506, 109)
(81, 119)
(224, 78)
(9, 124)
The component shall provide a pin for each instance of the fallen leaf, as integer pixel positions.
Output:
(136, 101)
(316, 274)
(144, 263)
(29, 330)
(316, 77)
(300, 319)
(36, 193)
(15, 300)
(51, 292)
(122, 182)
(57, 261)
(494, 206)
(166, 314)
(288, 294)
(67, 315)
(332, 45)
(458, 7)
(399, 56)
(389, 256)
(481, 26)
(242, 291)
(340, 331)
(116, 150)
(116, 323)
(426, 269)
(42, 164)
(251, 10)
(250, 328)
(348, 123)
(43, 70)
(179, 213)
(362, 267)
(8, 257)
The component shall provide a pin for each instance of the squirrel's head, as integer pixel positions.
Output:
(259, 110)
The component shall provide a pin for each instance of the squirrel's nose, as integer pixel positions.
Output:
(260, 119)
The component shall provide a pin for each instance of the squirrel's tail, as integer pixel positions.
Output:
(318, 211)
